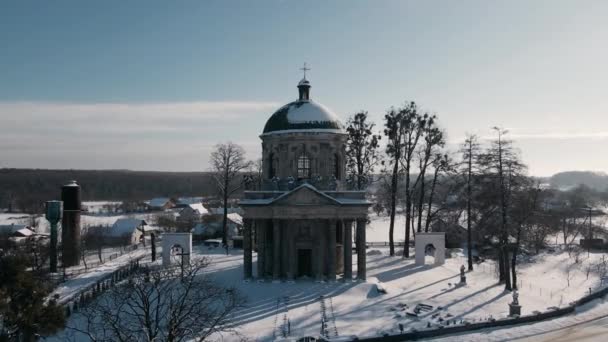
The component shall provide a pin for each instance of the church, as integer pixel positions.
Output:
(303, 222)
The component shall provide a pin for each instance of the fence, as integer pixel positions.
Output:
(87, 294)
(72, 272)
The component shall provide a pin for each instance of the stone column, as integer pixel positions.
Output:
(361, 262)
(261, 244)
(247, 253)
(331, 250)
(319, 248)
(276, 249)
(291, 253)
(348, 250)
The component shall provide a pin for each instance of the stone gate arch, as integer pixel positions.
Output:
(437, 240)
(184, 240)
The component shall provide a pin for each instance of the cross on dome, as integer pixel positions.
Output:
(305, 68)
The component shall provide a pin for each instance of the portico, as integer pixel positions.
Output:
(304, 234)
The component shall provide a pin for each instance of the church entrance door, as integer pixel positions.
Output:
(304, 262)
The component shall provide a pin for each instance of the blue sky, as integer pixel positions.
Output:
(154, 84)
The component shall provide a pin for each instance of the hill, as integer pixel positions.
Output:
(570, 179)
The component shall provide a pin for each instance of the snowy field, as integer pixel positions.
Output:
(85, 220)
(357, 308)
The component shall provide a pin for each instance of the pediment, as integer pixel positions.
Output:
(305, 195)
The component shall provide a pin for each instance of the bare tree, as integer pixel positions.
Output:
(504, 169)
(470, 152)
(163, 304)
(227, 161)
(394, 148)
(412, 126)
(361, 150)
(433, 139)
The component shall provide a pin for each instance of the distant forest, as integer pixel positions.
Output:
(28, 189)
(571, 179)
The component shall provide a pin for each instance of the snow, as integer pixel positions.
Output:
(309, 111)
(236, 218)
(199, 208)
(357, 308)
(584, 323)
(377, 229)
(125, 226)
(158, 202)
(15, 228)
(98, 207)
(315, 130)
(72, 287)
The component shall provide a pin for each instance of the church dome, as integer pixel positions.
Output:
(303, 115)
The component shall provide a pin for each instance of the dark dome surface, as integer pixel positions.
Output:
(303, 115)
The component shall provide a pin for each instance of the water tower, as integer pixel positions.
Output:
(70, 224)
(53, 215)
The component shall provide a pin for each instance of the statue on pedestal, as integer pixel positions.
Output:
(515, 297)
(514, 307)
(463, 278)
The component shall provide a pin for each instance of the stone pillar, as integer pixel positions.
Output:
(276, 249)
(319, 248)
(261, 244)
(247, 252)
(361, 262)
(290, 264)
(348, 250)
(267, 248)
(331, 251)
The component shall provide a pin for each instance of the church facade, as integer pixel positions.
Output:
(303, 223)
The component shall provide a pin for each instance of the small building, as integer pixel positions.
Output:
(192, 213)
(455, 234)
(129, 231)
(16, 230)
(183, 202)
(160, 203)
(211, 227)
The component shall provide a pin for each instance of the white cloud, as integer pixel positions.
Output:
(158, 136)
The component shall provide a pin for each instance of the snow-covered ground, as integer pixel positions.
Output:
(588, 324)
(358, 309)
(377, 229)
(72, 287)
(85, 220)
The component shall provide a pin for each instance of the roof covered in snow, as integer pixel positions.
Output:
(159, 201)
(302, 115)
(126, 226)
(236, 218)
(198, 207)
(16, 230)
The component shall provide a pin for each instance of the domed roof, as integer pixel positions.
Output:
(303, 115)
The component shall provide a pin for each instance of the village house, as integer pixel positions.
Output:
(129, 231)
(160, 203)
(192, 213)
(211, 226)
(16, 230)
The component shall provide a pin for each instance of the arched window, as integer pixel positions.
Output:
(272, 166)
(303, 167)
